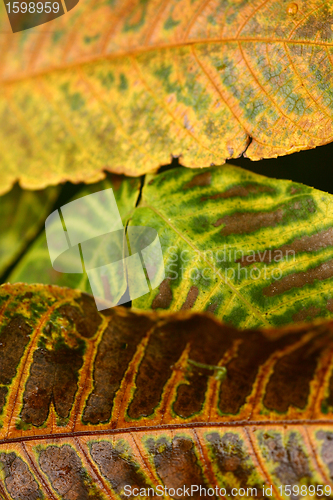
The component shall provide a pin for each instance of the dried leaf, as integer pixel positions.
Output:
(90, 402)
(122, 86)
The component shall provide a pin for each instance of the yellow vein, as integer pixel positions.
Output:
(189, 242)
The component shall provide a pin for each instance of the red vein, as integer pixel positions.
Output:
(125, 430)
(37, 472)
(194, 18)
(23, 364)
(96, 472)
(118, 17)
(251, 16)
(313, 453)
(261, 465)
(206, 462)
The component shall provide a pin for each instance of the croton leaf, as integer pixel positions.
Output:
(252, 250)
(22, 215)
(92, 404)
(35, 265)
(122, 86)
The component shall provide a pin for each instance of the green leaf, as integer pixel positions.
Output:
(35, 266)
(22, 214)
(253, 251)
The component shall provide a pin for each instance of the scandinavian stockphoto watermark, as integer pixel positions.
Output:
(87, 235)
(226, 263)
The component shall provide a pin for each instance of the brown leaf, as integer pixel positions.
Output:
(95, 405)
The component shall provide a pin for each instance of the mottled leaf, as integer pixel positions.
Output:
(22, 215)
(91, 403)
(252, 250)
(122, 86)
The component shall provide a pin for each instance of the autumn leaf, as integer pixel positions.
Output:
(123, 86)
(90, 402)
(252, 250)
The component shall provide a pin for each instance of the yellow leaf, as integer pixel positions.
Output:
(123, 86)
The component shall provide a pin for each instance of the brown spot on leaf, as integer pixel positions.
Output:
(164, 297)
(211, 308)
(86, 321)
(327, 449)
(246, 222)
(162, 352)
(298, 280)
(306, 244)
(289, 384)
(191, 298)
(63, 467)
(329, 400)
(306, 313)
(19, 481)
(115, 351)
(53, 378)
(3, 394)
(117, 469)
(230, 456)
(242, 371)
(191, 393)
(200, 180)
(240, 191)
(292, 462)
(317, 26)
(14, 338)
(165, 347)
(177, 465)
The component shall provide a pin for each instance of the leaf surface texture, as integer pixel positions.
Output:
(91, 402)
(253, 251)
(122, 86)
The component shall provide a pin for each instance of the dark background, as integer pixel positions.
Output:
(313, 167)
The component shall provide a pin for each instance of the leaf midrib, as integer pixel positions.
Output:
(128, 430)
(146, 49)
